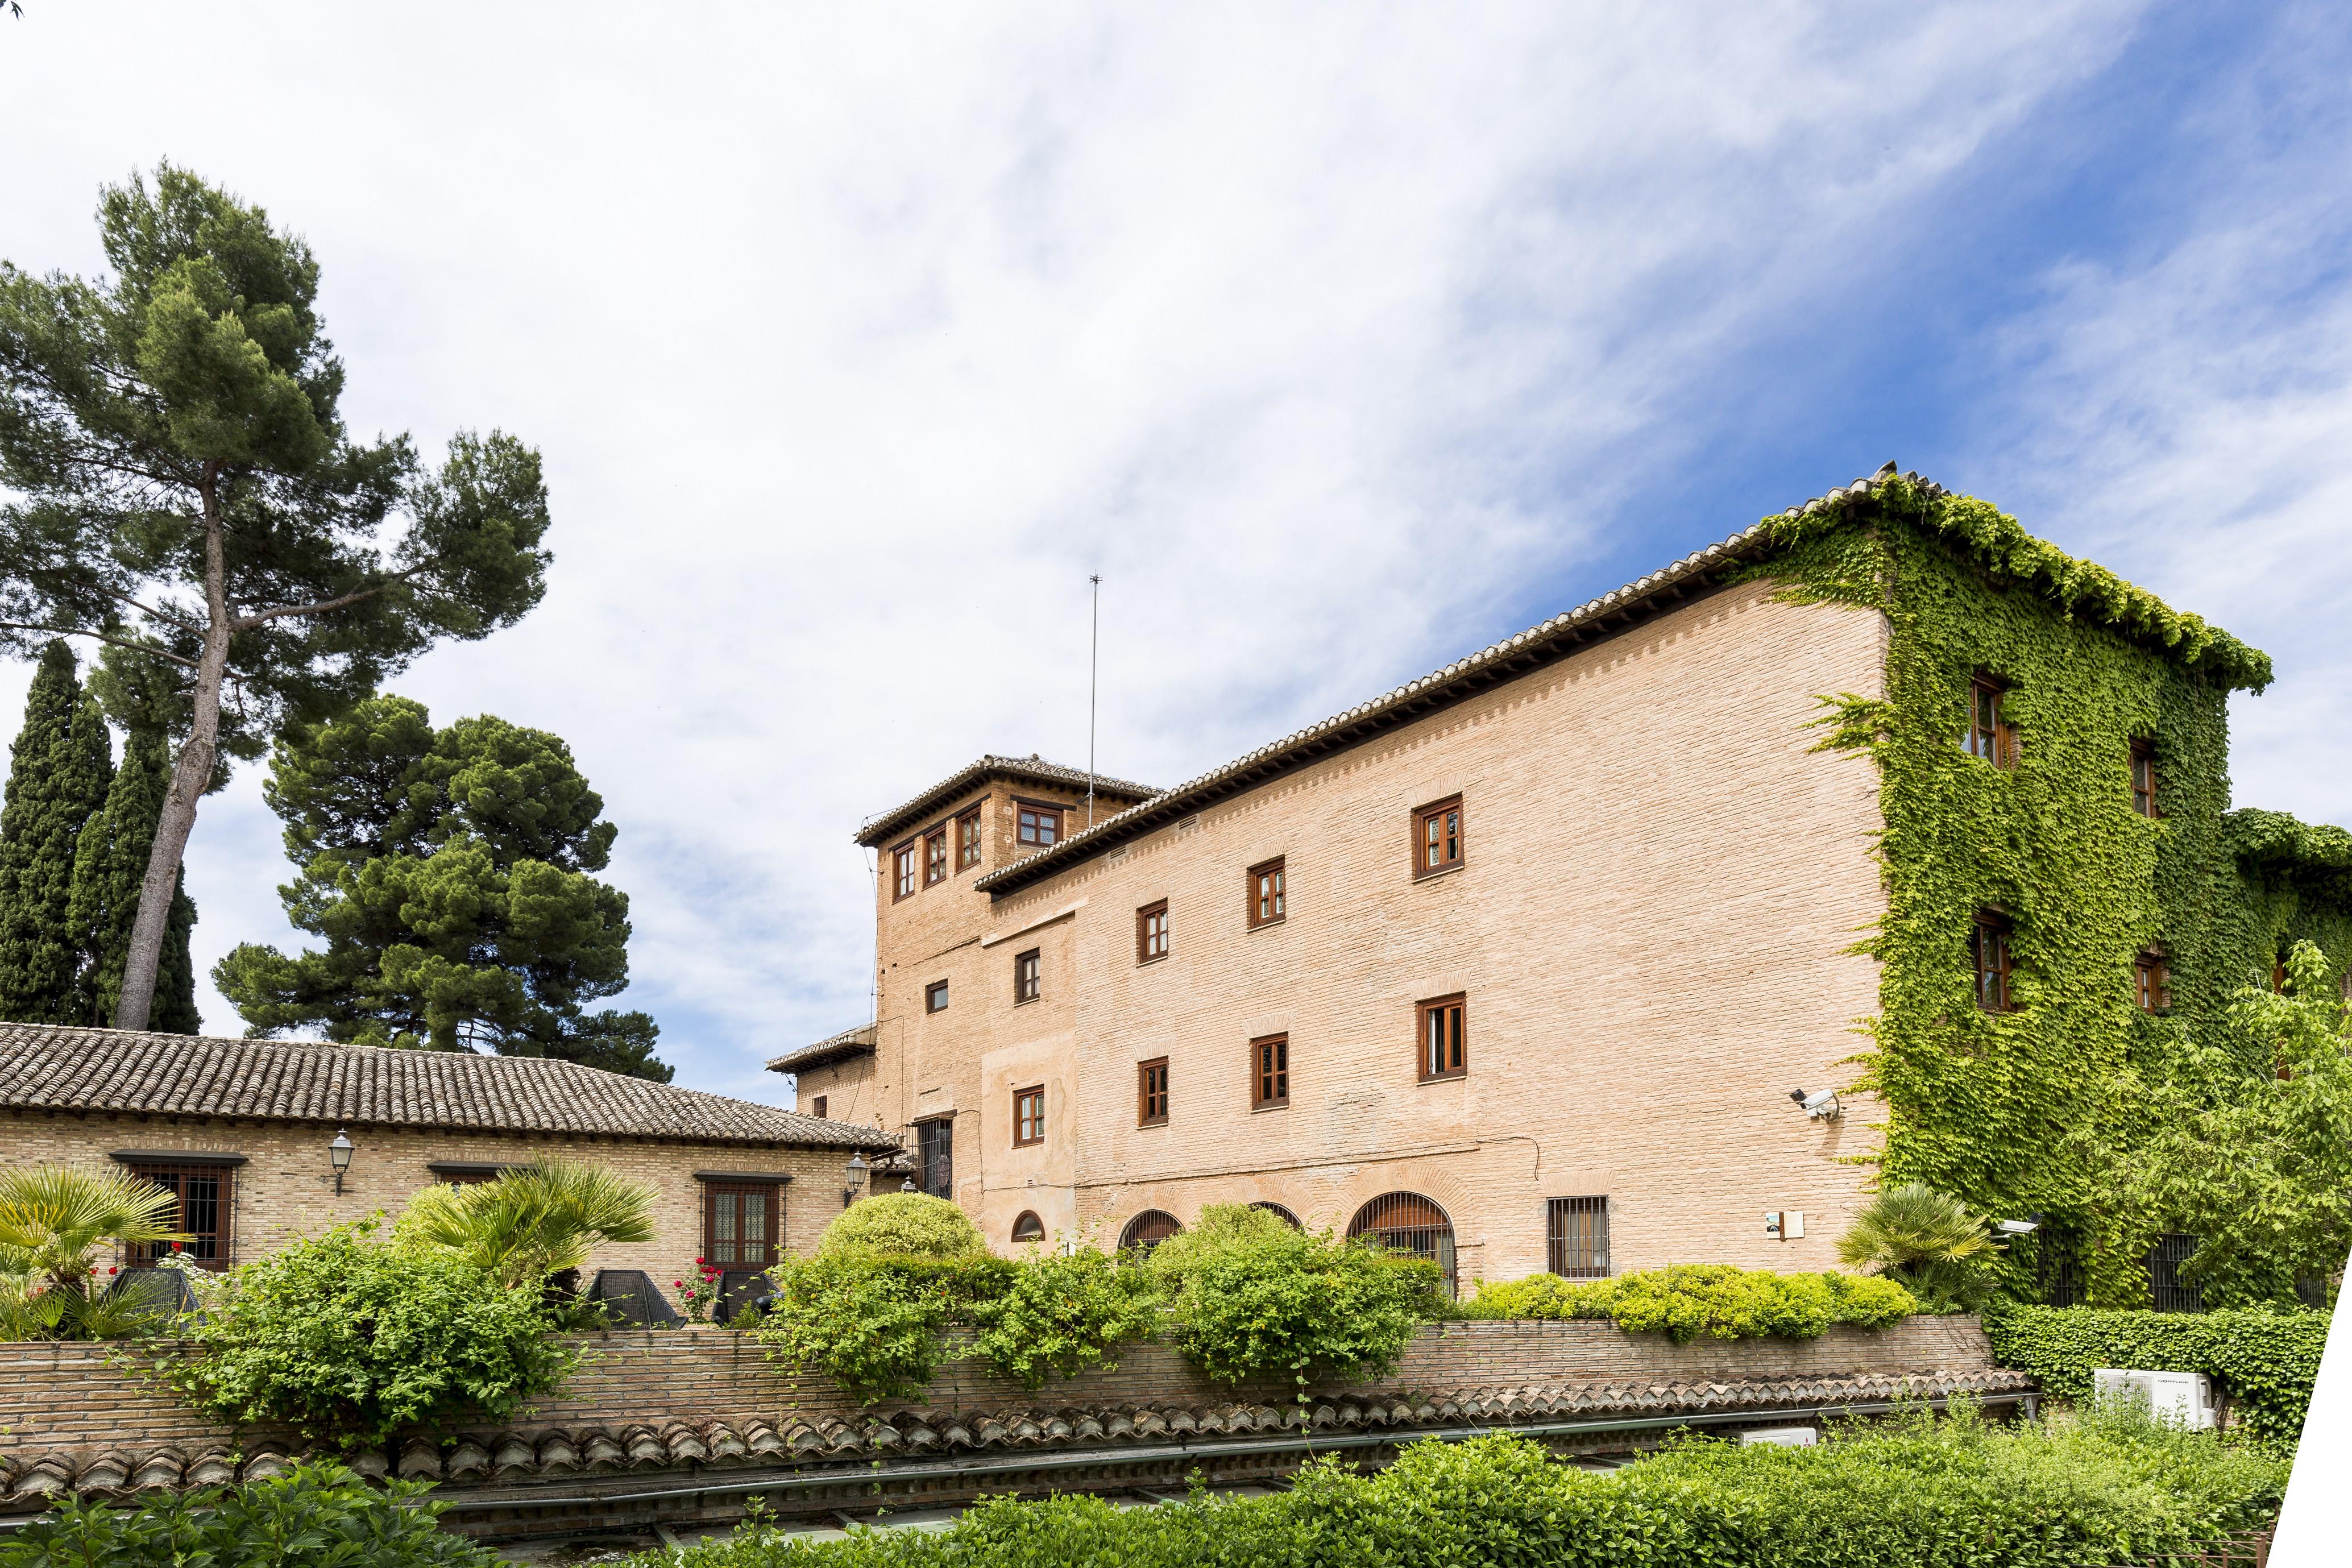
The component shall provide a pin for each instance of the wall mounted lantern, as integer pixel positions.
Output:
(339, 1154)
(856, 1172)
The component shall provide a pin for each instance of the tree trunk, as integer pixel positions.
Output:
(191, 776)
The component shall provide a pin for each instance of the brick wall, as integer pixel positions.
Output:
(85, 1398)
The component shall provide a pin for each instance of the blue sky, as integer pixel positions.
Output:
(1341, 340)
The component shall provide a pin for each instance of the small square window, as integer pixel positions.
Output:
(2143, 777)
(1988, 953)
(816, 1108)
(1437, 838)
(935, 857)
(902, 881)
(1989, 735)
(1266, 897)
(1152, 931)
(2152, 983)
(1152, 1092)
(967, 828)
(1578, 1238)
(1028, 1116)
(1039, 826)
(1269, 1072)
(1027, 971)
(1444, 1051)
(935, 997)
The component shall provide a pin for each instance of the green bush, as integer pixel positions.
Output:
(2267, 1360)
(1221, 1225)
(903, 1224)
(1942, 1494)
(874, 1324)
(1287, 1303)
(1060, 1314)
(341, 1335)
(1686, 1300)
(316, 1517)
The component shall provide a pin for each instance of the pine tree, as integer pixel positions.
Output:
(57, 778)
(109, 863)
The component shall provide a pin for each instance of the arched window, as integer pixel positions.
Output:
(1028, 1228)
(1148, 1230)
(1411, 1224)
(1280, 1213)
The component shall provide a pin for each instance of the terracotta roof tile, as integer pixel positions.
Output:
(42, 1066)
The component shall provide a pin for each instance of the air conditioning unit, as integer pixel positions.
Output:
(2183, 1399)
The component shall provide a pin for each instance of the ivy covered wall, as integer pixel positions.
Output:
(2013, 1111)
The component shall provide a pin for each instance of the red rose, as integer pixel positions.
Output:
(110, 1271)
(678, 1284)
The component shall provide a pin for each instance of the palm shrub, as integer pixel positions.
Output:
(53, 1220)
(1924, 1240)
(534, 1224)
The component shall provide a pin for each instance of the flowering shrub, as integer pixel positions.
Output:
(699, 1296)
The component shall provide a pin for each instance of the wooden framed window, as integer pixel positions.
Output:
(967, 832)
(205, 1197)
(1266, 896)
(739, 1224)
(1576, 1237)
(1443, 1050)
(1437, 838)
(816, 1108)
(935, 855)
(902, 872)
(1038, 827)
(935, 997)
(2152, 983)
(1028, 1116)
(1988, 953)
(1027, 1226)
(2143, 777)
(1990, 734)
(935, 1156)
(1152, 1092)
(1269, 1072)
(1152, 931)
(1028, 972)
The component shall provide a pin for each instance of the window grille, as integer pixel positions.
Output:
(1148, 1230)
(203, 1197)
(2058, 1265)
(2168, 1291)
(739, 1224)
(1577, 1239)
(935, 1152)
(1280, 1213)
(1411, 1225)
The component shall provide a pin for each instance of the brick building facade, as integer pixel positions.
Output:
(241, 1129)
(1517, 966)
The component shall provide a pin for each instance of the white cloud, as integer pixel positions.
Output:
(856, 338)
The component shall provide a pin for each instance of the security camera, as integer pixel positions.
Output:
(2017, 1226)
(1819, 1107)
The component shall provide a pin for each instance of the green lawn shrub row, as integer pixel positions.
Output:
(316, 1517)
(1685, 1301)
(2086, 1495)
(2265, 1359)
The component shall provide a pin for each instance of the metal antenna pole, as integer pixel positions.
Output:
(1094, 677)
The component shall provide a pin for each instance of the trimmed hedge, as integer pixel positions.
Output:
(1686, 1301)
(2084, 1496)
(2266, 1359)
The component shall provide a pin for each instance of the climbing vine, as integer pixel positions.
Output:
(2019, 1112)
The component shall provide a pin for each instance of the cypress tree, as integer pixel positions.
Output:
(59, 772)
(110, 864)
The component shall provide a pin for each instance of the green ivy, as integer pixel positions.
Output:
(2018, 1112)
(2267, 1361)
